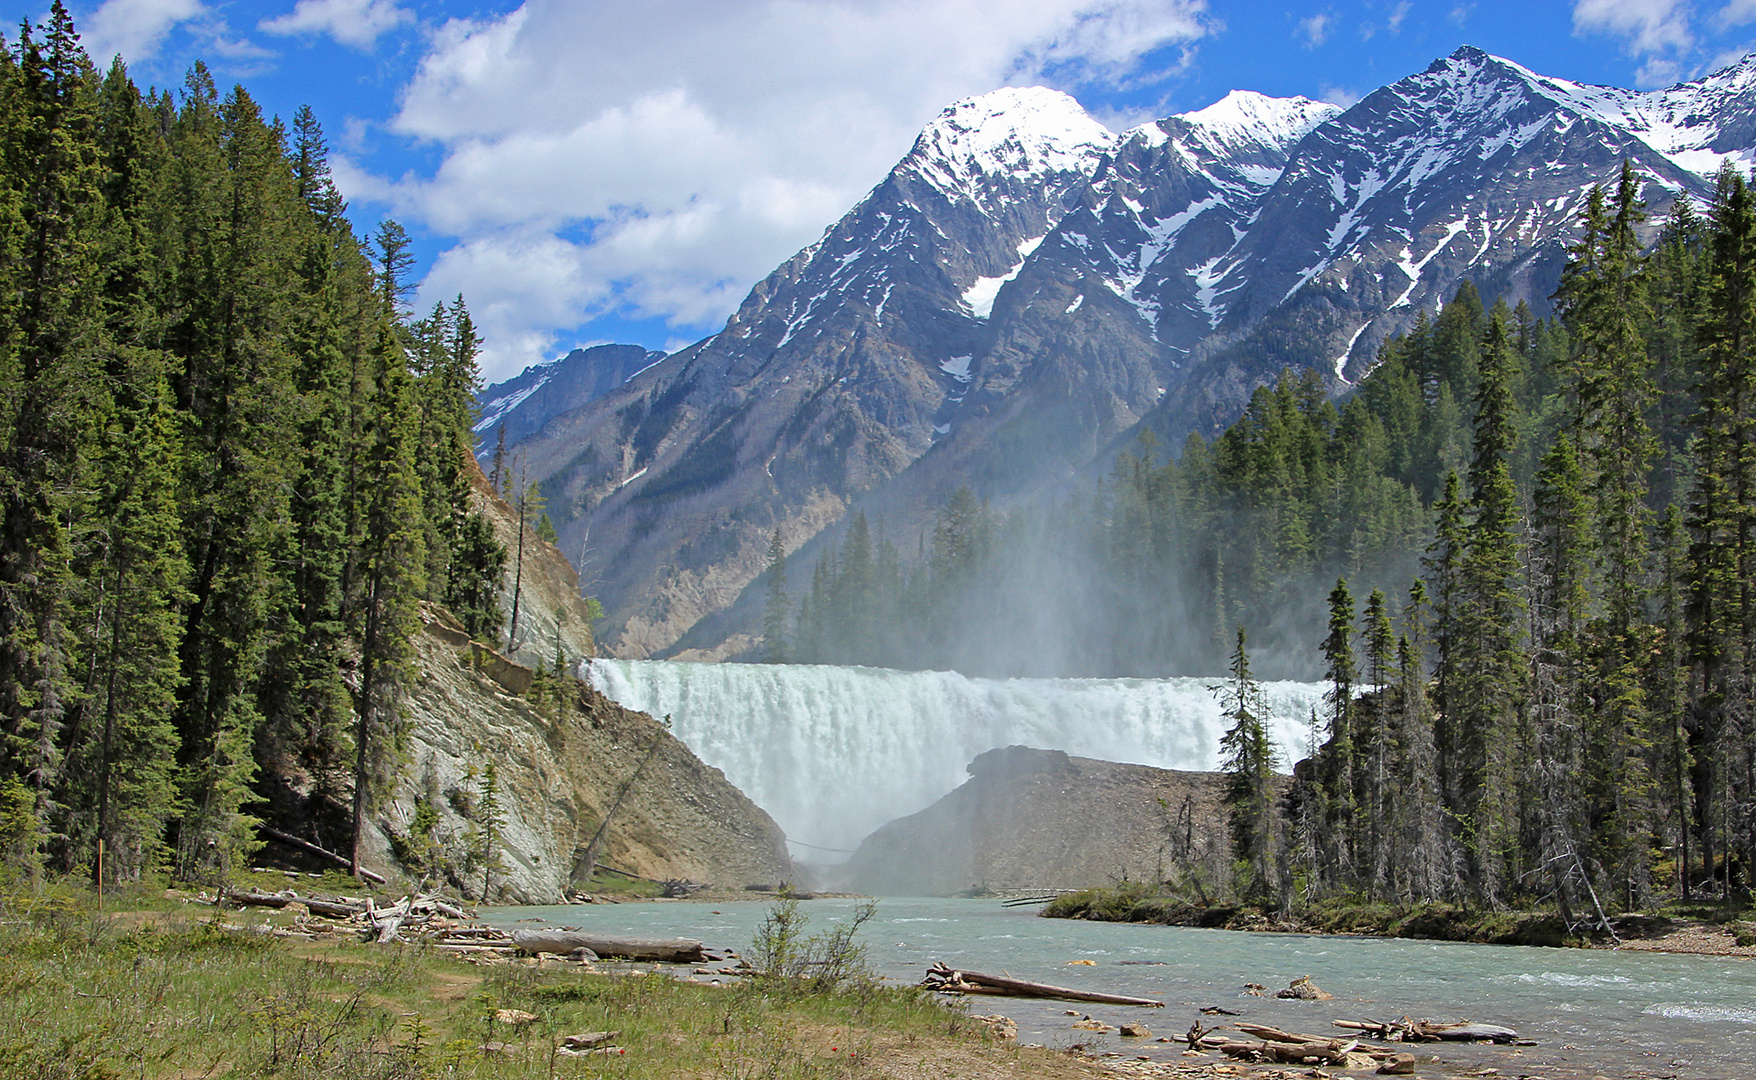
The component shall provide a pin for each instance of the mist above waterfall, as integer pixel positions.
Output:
(833, 752)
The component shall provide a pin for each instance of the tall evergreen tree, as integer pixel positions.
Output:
(1247, 758)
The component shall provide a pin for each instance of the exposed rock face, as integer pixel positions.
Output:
(524, 403)
(1039, 819)
(554, 620)
(557, 779)
(559, 770)
(1026, 289)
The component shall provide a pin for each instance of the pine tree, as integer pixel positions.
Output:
(391, 563)
(50, 214)
(1485, 691)
(1247, 759)
(1335, 830)
(775, 604)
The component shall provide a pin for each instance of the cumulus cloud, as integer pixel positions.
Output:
(355, 23)
(1315, 30)
(1647, 26)
(134, 28)
(657, 159)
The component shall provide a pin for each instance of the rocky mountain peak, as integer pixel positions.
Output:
(1025, 287)
(1244, 122)
(1011, 134)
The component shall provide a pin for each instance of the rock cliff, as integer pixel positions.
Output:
(562, 755)
(1041, 820)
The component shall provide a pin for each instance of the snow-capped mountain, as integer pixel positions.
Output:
(520, 406)
(1026, 287)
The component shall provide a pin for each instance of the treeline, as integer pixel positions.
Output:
(231, 466)
(1565, 710)
(1550, 688)
(1151, 571)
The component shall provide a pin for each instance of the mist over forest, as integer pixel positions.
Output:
(1150, 570)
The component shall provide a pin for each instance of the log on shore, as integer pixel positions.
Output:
(326, 908)
(1406, 1030)
(564, 942)
(941, 977)
(322, 853)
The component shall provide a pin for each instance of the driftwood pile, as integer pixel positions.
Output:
(429, 919)
(432, 921)
(1269, 1044)
(948, 980)
(1283, 1047)
(1406, 1030)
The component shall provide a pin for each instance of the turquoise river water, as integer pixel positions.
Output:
(1593, 1013)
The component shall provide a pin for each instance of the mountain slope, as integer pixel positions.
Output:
(1025, 289)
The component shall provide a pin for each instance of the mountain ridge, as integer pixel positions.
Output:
(1025, 289)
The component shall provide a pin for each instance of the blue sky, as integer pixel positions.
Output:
(595, 171)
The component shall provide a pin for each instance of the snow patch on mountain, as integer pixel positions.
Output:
(1244, 121)
(1013, 134)
(981, 293)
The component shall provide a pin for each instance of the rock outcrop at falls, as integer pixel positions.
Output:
(1041, 820)
(562, 755)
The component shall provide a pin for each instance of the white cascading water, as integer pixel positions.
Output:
(832, 753)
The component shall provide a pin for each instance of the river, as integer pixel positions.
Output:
(1592, 1013)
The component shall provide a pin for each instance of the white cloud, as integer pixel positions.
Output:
(1658, 71)
(1737, 13)
(1398, 14)
(657, 159)
(1336, 95)
(1315, 30)
(1648, 26)
(134, 28)
(355, 23)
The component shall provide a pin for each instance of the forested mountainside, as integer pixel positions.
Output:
(232, 466)
(1026, 290)
(1552, 524)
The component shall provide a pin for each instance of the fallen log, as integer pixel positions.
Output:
(259, 899)
(1466, 1032)
(563, 942)
(330, 909)
(1288, 1053)
(1406, 1030)
(322, 853)
(386, 923)
(941, 976)
(254, 898)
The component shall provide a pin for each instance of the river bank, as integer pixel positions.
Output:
(1702, 928)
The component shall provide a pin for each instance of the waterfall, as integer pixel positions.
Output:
(832, 753)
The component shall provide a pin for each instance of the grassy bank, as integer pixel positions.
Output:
(183, 993)
(1145, 903)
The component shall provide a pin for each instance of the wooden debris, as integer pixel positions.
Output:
(1283, 1047)
(940, 977)
(589, 1040)
(322, 853)
(565, 942)
(1406, 1030)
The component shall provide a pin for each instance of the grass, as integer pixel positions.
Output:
(86, 995)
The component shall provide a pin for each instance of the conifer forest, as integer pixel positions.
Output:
(232, 464)
(1537, 542)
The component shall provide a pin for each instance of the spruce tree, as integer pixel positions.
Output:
(775, 605)
(1247, 759)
